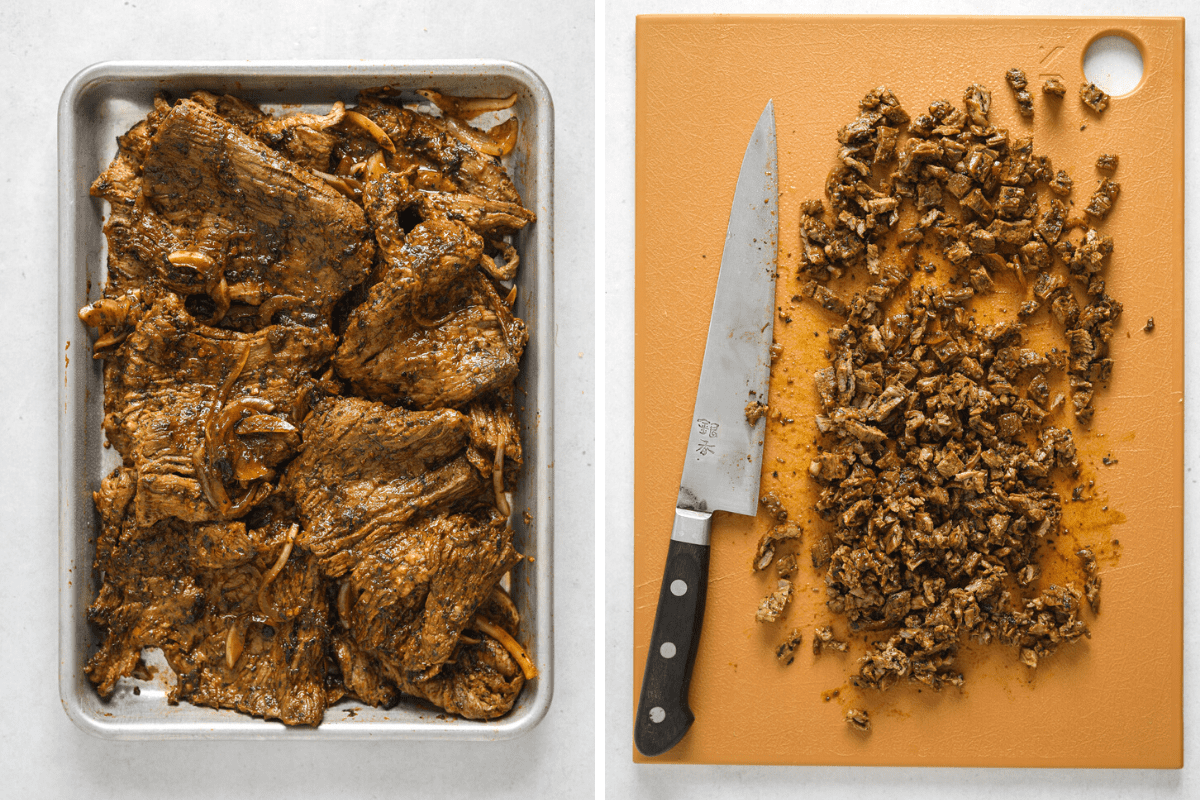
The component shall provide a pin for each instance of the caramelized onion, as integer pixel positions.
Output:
(192, 258)
(279, 565)
(474, 137)
(510, 644)
(374, 131)
(498, 479)
(467, 107)
(505, 135)
(234, 643)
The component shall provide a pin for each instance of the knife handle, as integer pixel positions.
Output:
(663, 715)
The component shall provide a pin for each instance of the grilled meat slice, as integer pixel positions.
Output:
(433, 332)
(483, 683)
(365, 469)
(202, 414)
(413, 593)
(283, 231)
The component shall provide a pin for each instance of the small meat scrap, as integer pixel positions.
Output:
(1107, 162)
(774, 603)
(1091, 586)
(858, 719)
(823, 640)
(1016, 80)
(786, 652)
(766, 545)
(755, 410)
(786, 565)
(1061, 185)
(1054, 86)
(770, 501)
(1093, 97)
(1149, 324)
(1101, 201)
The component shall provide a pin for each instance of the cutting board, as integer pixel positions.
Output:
(1112, 701)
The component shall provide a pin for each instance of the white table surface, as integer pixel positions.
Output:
(42, 44)
(623, 778)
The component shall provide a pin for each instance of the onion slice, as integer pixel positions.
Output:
(498, 479)
(374, 131)
(510, 644)
(279, 565)
(234, 643)
(467, 108)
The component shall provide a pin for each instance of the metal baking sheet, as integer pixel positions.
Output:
(99, 104)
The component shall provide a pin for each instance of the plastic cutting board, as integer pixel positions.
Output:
(1112, 701)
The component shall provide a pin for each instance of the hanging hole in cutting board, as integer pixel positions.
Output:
(1114, 63)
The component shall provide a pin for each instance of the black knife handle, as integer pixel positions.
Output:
(663, 715)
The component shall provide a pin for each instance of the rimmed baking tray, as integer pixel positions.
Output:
(102, 102)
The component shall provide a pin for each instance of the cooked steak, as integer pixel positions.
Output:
(433, 332)
(286, 232)
(367, 469)
(204, 414)
(413, 593)
(284, 544)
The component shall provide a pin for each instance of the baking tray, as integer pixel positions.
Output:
(99, 104)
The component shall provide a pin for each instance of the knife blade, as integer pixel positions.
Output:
(723, 460)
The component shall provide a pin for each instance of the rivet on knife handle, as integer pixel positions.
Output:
(663, 715)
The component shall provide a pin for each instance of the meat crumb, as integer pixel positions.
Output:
(786, 652)
(773, 604)
(858, 719)
(1017, 81)
(1054, 86)
(755, 410)
(770, 501)
(1093, 97)
(823, 640)
(1149, 324)
(1107, 162)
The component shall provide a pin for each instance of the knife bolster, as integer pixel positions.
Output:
(692, 527)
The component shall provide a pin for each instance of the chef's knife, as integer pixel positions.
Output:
(724, 451)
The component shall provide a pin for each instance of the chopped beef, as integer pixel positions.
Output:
(1054, 86)
(1101, 201)
(936, 452)
(858, 719)
(823, 640)
(282, 541)
(1149, 324)
(1018, 83)
(786, 565)
(786, 652)
(779, 532)
(755, 410)
(1093, 97)
(1107, 162)
(773, 604)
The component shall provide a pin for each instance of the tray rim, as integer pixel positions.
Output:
(539, 477)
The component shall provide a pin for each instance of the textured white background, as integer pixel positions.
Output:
(624, 779)
(42, 44)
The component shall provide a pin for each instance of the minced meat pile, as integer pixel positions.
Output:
(937, 435)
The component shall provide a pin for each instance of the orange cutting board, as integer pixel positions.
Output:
(1112, 701)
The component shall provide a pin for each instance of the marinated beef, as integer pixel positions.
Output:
(282, 543)
(367, 469)
(279, 229)
(935, 452)
(205, 415)
(433, 332)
